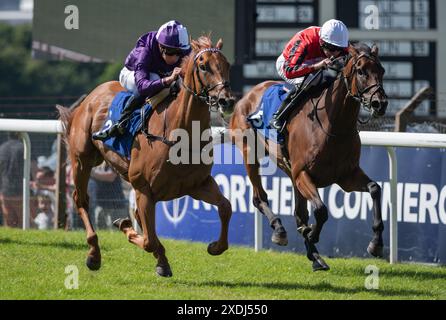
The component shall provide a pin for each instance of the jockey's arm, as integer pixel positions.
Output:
(145, 86)
(295, 66)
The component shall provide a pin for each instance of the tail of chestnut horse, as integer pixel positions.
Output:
(65, 116)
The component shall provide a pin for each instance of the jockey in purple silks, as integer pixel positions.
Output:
(154, 64)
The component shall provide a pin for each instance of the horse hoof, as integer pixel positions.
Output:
(280, 237)
(214, 249)
(375, 250)
(122, 223)
(164, 271)
(93, 264)
(319, 264)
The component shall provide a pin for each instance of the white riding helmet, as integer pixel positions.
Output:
(335, 32)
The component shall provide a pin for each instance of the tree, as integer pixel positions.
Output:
(23, 78)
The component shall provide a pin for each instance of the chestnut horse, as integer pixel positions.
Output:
(322, 147)
(150, 170)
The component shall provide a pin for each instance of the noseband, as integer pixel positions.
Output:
(359, 96)
(203, 95)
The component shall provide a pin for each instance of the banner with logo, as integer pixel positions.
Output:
(421, 207)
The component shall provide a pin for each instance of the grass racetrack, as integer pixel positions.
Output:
(32, 266)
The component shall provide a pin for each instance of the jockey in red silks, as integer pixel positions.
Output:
(309, 51)
(154, 64)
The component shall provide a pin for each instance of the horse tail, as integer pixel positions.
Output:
(66, 116)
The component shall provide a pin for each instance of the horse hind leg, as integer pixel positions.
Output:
(260, 199)
(81, 174)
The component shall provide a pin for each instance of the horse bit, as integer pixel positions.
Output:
(203, 95)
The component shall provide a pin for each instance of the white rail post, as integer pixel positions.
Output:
(258, 231)
(26, 178)
(393, 257)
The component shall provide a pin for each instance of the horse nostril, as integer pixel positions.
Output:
(231, 103)
(223, 103)
(376, 104)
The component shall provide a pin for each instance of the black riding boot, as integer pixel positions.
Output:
(313, 84)
(119, 128)
(278, 120)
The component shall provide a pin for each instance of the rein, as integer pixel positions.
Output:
(203, 95)
(359, 96)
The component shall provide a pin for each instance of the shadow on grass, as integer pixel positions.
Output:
(437, 273)
(59, 245)
(406, 271)
(317, 287)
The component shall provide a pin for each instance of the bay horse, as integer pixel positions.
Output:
(322, 147)
(149, 170)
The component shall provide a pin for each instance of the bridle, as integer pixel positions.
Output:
(359, 96)
(203, 94)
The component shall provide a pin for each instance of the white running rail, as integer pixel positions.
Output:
(24, 127)
(384, 139)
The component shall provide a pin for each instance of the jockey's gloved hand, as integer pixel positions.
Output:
(174, 87)
(337, 64)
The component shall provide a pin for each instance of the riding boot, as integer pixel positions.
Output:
(278, 120)
(119, 128)
(297, 94)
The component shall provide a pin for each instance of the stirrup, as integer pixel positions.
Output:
(104, 134)
(100, 135)
(277, 124)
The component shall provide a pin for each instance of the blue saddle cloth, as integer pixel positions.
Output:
(123, 144)
(271, 101)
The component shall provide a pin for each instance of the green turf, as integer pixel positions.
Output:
(32, 266)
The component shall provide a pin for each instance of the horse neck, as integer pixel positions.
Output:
(191, 110)
(343, 111)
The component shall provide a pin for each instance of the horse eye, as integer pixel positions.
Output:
(361, 73)
(202, 67)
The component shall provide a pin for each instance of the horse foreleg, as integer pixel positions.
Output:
(359, 181)
(210, 192)
(301, 213)
(301, 216)
(307, 188)
(149, 241)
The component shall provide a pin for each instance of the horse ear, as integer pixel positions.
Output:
(219, 45)
(352, 49)
(194, 44)
(375, 50)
